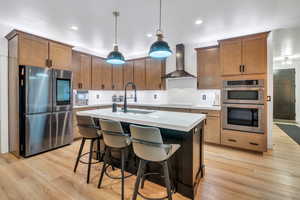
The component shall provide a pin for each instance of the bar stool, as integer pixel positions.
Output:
(89, 131)
(114, 139)
(148, 146)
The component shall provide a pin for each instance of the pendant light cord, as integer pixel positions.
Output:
(160, 4)
(116, 14)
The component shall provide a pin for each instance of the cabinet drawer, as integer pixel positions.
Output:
(175, 109)
(211, 113)
(244, 140)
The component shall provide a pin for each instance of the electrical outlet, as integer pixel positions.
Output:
(155, 96)
(203, 97)
(97, 96)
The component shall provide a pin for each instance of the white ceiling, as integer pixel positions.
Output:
(222, 19)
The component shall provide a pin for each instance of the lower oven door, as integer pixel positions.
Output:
(243, 117)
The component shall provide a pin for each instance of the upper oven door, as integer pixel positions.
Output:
(243, 95)
(62, 90)
(242, 117)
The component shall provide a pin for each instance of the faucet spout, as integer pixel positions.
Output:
(125, 108)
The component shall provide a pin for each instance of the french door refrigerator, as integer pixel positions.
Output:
(45, 109)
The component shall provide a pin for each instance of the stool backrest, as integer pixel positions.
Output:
(87, 127)
(148, 143)
(113, 134)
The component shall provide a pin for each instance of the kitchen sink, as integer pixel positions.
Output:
(138, 111)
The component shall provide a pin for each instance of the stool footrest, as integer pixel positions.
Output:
(87, 153)
(115, 177)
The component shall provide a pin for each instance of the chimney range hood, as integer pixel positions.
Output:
(179, 72)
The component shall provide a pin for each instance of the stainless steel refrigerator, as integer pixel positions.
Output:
(45, 109)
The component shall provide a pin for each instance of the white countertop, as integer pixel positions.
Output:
(170, 120)
(185, 106)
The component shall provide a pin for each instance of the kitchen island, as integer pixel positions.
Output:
(186, 129)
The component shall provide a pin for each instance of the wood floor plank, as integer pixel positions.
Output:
(230, 174)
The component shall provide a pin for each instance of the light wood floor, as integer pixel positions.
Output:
(230, 174)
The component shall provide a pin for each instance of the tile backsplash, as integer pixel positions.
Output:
(189, 96)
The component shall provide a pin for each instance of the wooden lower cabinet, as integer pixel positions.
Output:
(212, 130)
(244, 140)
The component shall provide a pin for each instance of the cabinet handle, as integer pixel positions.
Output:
(243, 68)
(102, 86)
(159, 86)
(252, 143)
(113, 86)
(51, 63)
(240, 68)
(231, 140)
(78, 85)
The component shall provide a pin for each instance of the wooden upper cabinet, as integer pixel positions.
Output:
(128, 73)
(60, 56)
(81, 67)
(139, 74)
(244, 55)
(255, 55)
(231, 56)
(154, 73)
(117, 75)
(33, 51)
(208, 68)
(85, 71)
(96, 73)
(76, 62)
(101, 74)
(106, 76)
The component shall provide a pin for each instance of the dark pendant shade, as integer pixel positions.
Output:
(115, 57)
(160, 50)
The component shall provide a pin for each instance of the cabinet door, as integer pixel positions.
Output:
(33, 51)
(106, 76)
(139, 74)
(212, 132)
(128, 73)
(97, 73)
(76, 70)
(154, 74)
(60, 55)
(231, 57)
(255, 55)
(85, 71)
(209, 70)
(118, 82)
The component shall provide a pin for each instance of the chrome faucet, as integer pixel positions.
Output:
(125, 96)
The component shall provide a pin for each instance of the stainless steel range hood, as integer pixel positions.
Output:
(180, 72)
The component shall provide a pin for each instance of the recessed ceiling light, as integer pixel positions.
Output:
(75, 28)
(149, 35)
(198, 22)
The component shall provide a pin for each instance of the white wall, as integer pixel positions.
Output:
(3, 90)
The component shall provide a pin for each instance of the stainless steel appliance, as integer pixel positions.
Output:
(81, 98)
(45, 109)
(243, 105)
(244, 91)
(243, 117)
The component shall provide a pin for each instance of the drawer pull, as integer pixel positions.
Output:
(252, 143)
(231, 140)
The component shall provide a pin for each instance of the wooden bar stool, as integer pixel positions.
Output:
(114, 139)
(89, 131)
(148, 146)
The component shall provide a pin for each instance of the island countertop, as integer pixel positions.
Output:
(163, 119)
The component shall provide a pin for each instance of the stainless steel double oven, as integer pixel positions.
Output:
(243, 105)
(45, 109)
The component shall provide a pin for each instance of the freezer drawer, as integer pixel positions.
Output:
(37, 135)
(62, 128)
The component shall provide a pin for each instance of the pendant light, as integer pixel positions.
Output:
(160, 49)
(115, 57)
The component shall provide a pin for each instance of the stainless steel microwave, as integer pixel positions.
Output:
(243, 117)
(243, 92)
